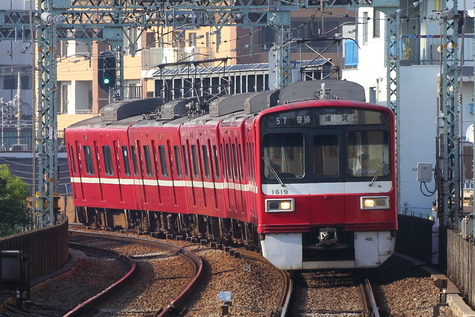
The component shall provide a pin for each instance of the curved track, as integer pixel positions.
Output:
(177, 304)
(281, 291)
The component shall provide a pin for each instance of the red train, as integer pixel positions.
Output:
(310, 183)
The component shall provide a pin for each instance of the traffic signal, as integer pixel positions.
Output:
(106, 70)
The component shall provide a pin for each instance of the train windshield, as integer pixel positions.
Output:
(284, 155)
(368, 153)
(326, 145)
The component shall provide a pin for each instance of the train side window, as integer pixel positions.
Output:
(216, 161)
(185, 159)
(88, 157)
(106, 152)
(177, 161)
(235, 168)
(163, 160)
(228, 159)
(125, 157)
(194, 158)
(148, 162)
(204, 150)
(326, 156)
(134, 160)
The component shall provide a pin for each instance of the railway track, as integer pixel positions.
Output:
(332, 293)
(257, 287)
(124, 268)
(145, 285)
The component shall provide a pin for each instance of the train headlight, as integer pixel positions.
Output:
(280, 205)
(375, 202)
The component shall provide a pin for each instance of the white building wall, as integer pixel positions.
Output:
(417, 113)
(417, 135)
(371, 71)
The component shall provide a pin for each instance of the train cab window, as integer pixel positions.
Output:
(134, 160)
(204, 150)
(177, 161)
(216, 162)
(194, 159)
(368, 153)
(148, 162)
(284, 155)
(125, 157)
(163, 160)
(185, 159)
(325, 156)
(106, 152)
(88, 157)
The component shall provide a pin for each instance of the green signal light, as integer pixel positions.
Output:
(106, 81)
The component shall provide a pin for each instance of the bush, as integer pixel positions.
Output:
(15, 211)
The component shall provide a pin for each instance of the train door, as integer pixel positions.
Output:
(189, 190)
(228, 169)
(75, 165)
(177, 174)
(209, 189)
(166, 185)
(139, 172)
(125, 176)
(89, 176)
(197, 177)
(118, 170)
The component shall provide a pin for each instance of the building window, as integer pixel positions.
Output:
(63, 100)
(192, 39)
(9, 82)
(351, 53)
(365, 27)
(376, 23)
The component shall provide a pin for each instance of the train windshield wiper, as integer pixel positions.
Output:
(375, 177)
(269, 166)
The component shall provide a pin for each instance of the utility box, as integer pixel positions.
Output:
(424, 172)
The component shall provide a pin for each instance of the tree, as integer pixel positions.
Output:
(14, 203)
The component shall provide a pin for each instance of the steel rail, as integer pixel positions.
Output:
(91, 302)
(179, 302)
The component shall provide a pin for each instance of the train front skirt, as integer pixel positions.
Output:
(286, 251)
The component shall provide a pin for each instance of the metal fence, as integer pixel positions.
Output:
(460, 260)
(46, 249)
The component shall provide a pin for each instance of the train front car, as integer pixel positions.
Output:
(328, 185)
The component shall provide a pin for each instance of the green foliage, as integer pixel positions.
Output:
(14, 204)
